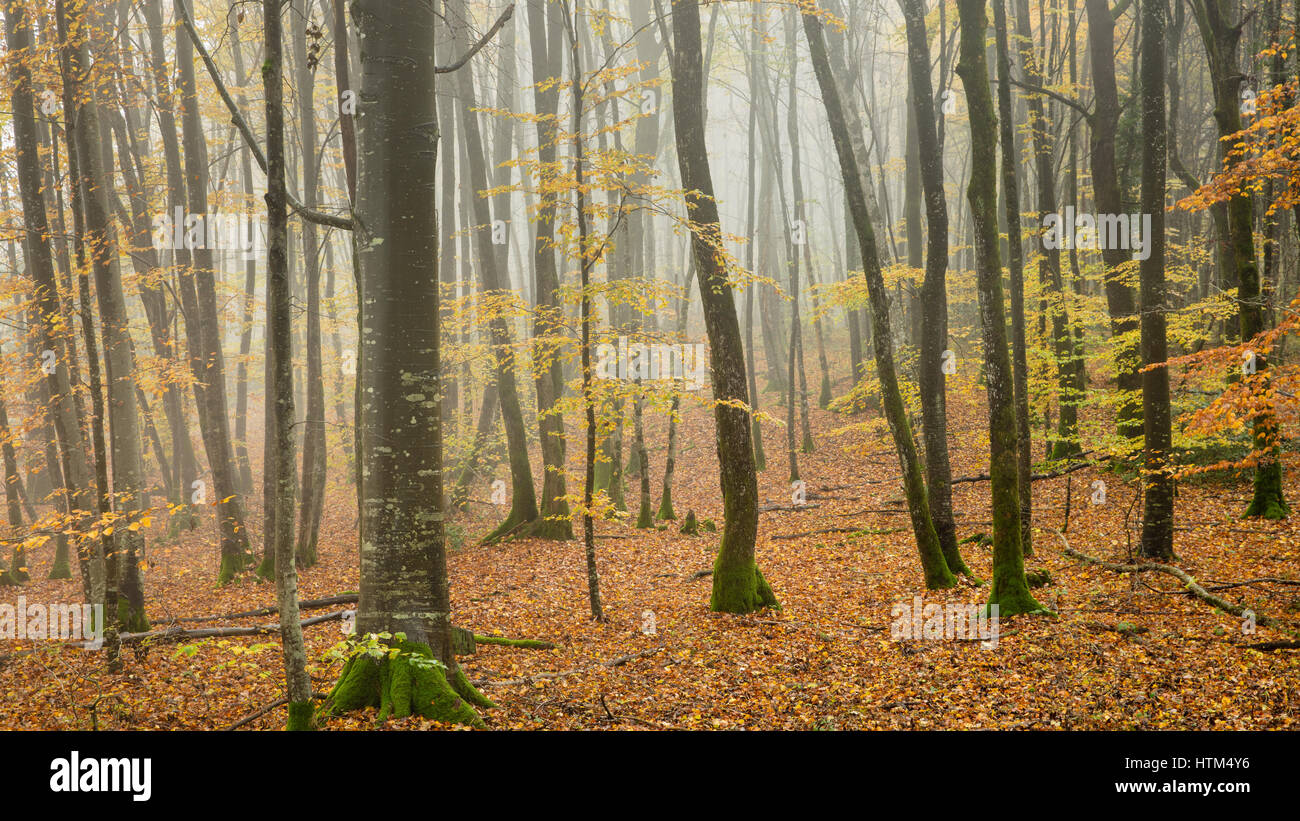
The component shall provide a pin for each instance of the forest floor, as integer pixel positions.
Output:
(1125, 652)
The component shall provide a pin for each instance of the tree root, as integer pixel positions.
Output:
(407, 682)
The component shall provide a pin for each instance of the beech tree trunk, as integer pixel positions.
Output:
(738, 584)
(1010, 592)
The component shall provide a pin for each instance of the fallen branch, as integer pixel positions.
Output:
(769, 508)
(309, 604)
(280, 702)
(1188, 582)
(817, 532)
(984, 477)
(178, 634)
(530, 644)
(1275, 645)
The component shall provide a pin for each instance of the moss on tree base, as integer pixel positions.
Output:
(300, 716)
(408, 682)
(232, 565)
(1267, 501)
(666, 512)
(129, 619)
(740, 590)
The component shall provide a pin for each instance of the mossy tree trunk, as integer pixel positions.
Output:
(74, 464)
(1158, 484)
(404, 587)
(94, 163)
(844, 120)
(198, 296)
(1010, 591)
(279, 393)
(523, 501)
(738, 585)
(1066, 442)
(934, 295)
(1222, 36)
(544, 41)
(1016, 266)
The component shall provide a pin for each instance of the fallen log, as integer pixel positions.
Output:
(1189, 583)
(984, 477)
(307, 604)
(179, 634)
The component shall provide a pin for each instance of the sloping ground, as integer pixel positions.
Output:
(1124, 652)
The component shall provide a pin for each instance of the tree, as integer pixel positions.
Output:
(1010, 592)
(74, 462)
(203, 332)
(405, 600)
(127, 545)
(544, 41)
(851, 160)
(934, 295)
(1016, 264)
(1157, 483)
(279, 393)
(313, 441)
(1221, 37)
(523, 503)
(738, 584)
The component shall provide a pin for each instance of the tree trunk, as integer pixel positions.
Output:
(1158, 484)
(279, 392)
(1010, 592)
(404, 586)
(934, 296)
(738, 584)
(933, 564)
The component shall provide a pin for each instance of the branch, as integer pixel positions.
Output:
(1070, 101)
(311, 215)
(1188, 582)
(501, 21)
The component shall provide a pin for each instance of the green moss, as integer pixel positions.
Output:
(401, 687)
(300, 716)
(18, 570)
(740, 589)
(129, 620)
(645, 519)
(266, 570)
(62, 568)
(232, 565)
(690, 525)
(666, 512)
(557, 527)
(1267, 501)
(531, 644)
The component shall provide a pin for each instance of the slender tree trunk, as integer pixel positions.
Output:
(1157, 482)
(933, 564)
(279, 391)
(313, 442)
(544, 41)
(934, 294)
(523, 507)
(738, 584)
(1010, 592)
(1016, 264)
